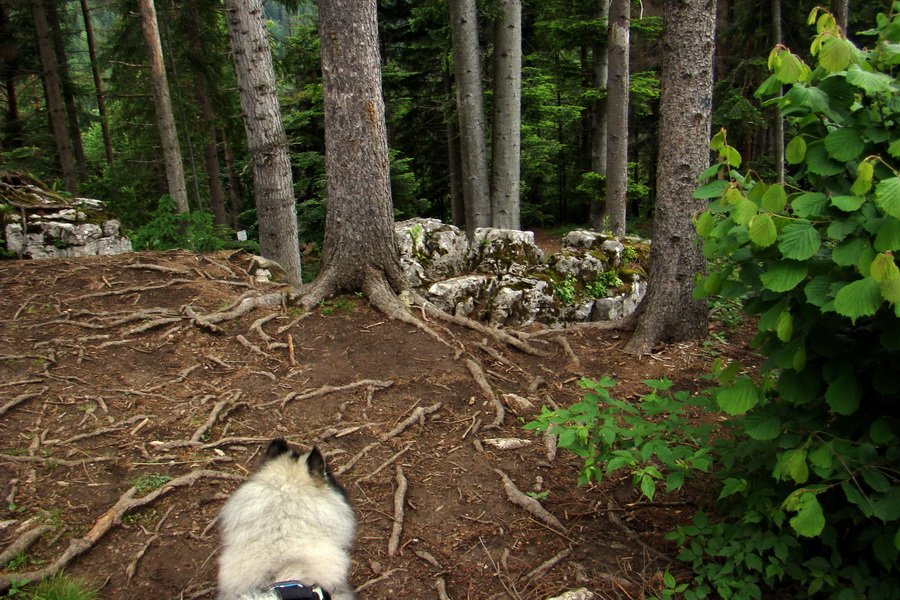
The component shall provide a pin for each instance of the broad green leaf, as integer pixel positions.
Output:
(813, 98)
(768, 88)
(884, 269)
(841, 228)
(856, 497)
(733, 195)
(890, 291)
(731, 156)
(875, 479)
(858, 299)
(784, 275)
(713, 189)
(822, 457)
(818, 290)
(819, 162)
(713, 170)
(864, 173)
(887, 505)
(762, 231)
(799, 240)
(894, 148)
(705, 223)
(784, 329)
(798, 387)
(810, 520)
(789, 68)
(844, 144)
(835, 54)
(739, 397)
(744, 211)
(718, 141)
(870, 82)
(775, 199)
(762, 426)
(810, 205)
(849, 252)
(843, 394)
(887, 194)
(881, 431)
(795, 151)
(796, 466)
(847, 203)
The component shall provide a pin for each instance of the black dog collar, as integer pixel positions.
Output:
(296, 590)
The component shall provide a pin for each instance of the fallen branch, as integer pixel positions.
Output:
(480, 378)
(102, 525)
(399, 512)
(531, 505)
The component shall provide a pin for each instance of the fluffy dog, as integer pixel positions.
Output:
(289, 522)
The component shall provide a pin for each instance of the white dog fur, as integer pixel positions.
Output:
(289, 521)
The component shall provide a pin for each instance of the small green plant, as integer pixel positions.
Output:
(330, 307)
(150, 481)
(139, 518)
(19, 559)
(565, 290)
(600, 286)
(60, 587)
(630, 254)
(538, 495)
(650, 437)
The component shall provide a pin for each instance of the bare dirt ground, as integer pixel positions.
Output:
(124, 426)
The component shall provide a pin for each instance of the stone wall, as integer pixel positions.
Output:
(503, 278)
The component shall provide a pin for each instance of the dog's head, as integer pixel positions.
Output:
(312, 463)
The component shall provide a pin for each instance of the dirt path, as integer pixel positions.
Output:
(109, 392)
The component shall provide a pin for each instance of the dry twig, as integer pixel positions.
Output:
(399, 512)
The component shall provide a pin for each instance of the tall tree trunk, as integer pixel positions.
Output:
(598, 129)
(669, 312)
(234, 184)
(12, 130)
(470, 106)
(267, 144)
(162, 103)
(457, 203)
(359, 251)
(210, 155)
(507, 119)
(55, 107)
(617, 107)
(840, 10)
(98, 83)
(59, 48)
(778, 120)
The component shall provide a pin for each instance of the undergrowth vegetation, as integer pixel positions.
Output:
(807, 464)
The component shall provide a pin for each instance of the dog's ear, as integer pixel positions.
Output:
(276, 448)
(315, 462)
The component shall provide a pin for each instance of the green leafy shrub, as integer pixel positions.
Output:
(812, 472)
(167, 229)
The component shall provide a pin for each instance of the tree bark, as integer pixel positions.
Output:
(59, 48)
(617, 107)
(669, 312)
(777, 119)
(267, 144)
(56, 109)
(470, 106)
(210, 155)
(507, 118)
(234, 184)
(163, 105)
(599, 117)
(359, 251)
(840, 10)
(457, 203)
(98, 83)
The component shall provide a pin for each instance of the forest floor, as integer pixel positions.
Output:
(124, 426)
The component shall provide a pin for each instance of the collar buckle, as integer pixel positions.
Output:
(297, 590)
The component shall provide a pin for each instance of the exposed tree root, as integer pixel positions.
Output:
(495, 333)
(399, 512)
(441, 587)
(531, 505)
(547, 565)
(20, 399)
(23, 543)
(624, 324)
(618, 522)
(328, 389)
(101, 527)
(478, 374)
(375, 580)
(574, 361)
